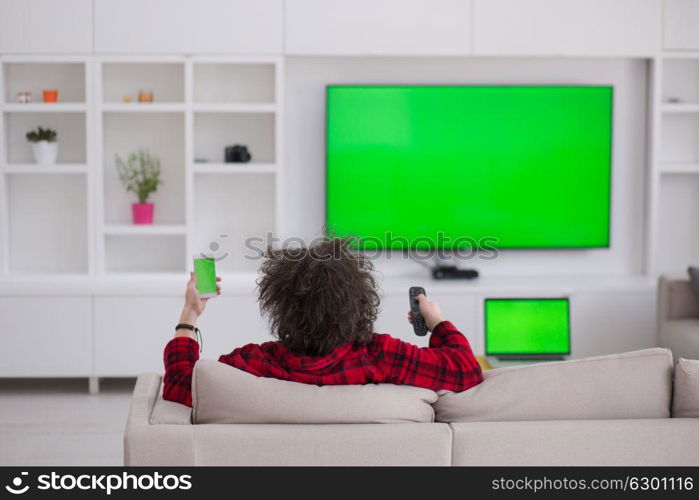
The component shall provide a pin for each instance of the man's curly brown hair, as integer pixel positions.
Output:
(320, 297)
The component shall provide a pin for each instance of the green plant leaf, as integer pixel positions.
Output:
(139, 174)
(42, 134)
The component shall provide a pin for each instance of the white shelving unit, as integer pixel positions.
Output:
(83, 215)
(674, 172)
(46, 217)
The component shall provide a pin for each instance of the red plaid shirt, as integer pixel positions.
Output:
(447, 364)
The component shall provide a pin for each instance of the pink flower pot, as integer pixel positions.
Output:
(142, 213)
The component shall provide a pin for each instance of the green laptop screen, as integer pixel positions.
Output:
(527, 326)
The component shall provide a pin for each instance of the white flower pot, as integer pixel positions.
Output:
(45, 152)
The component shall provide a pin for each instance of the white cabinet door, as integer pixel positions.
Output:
(188, 26)
(237, 27)
(131, 332)
(46, 26)
(46, 336)
(680, 25)
(385, 27)
(566, 27)
(142, 26)
(608, 323)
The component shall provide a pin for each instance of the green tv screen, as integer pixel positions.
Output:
(524, 166)
(527, 326)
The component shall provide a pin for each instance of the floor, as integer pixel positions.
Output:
(56, 422)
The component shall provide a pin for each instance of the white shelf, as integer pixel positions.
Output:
(151, 250)
(680, 55)
(235, 108)
(58, 168)
(48, 226)
(679, 168)
(241, 207)
(143, 107)
(213, 132)
(72, 129)
(165, 79)
(45, 107)
(233, 82)
(144, 229)
(234, 168)
(35, 76)
(680, 107)
(675, 154)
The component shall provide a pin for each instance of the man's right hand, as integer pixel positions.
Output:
(430, 311)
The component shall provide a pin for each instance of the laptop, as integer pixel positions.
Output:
(526, 330)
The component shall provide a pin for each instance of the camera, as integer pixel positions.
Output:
(237, 154)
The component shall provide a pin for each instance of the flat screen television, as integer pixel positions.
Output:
(527, 327)
(523, 166)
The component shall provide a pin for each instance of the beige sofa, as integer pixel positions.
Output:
(609, 410)
(678, 317)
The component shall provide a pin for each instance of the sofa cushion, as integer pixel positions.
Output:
(632, 385)
(225, 395)
(681, 336)
(250, 445)
(169, 412)
(685, 398)
(629, 442)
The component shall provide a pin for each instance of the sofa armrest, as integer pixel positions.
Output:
(144, 396)
(149, 445)
(676, 300)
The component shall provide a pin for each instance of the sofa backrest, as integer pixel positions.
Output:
(225, 395)
(620, 386)
(676, 300)
(685, 394)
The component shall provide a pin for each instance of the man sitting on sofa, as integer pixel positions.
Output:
(322, 302)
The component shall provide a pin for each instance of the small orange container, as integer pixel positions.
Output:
(50, 95)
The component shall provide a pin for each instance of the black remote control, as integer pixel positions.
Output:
(419, 325)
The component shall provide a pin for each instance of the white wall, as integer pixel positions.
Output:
(306, 78)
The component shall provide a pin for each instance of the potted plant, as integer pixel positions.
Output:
(140, 174)
(44, 145)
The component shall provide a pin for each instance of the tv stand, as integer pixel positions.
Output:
(441, 272)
